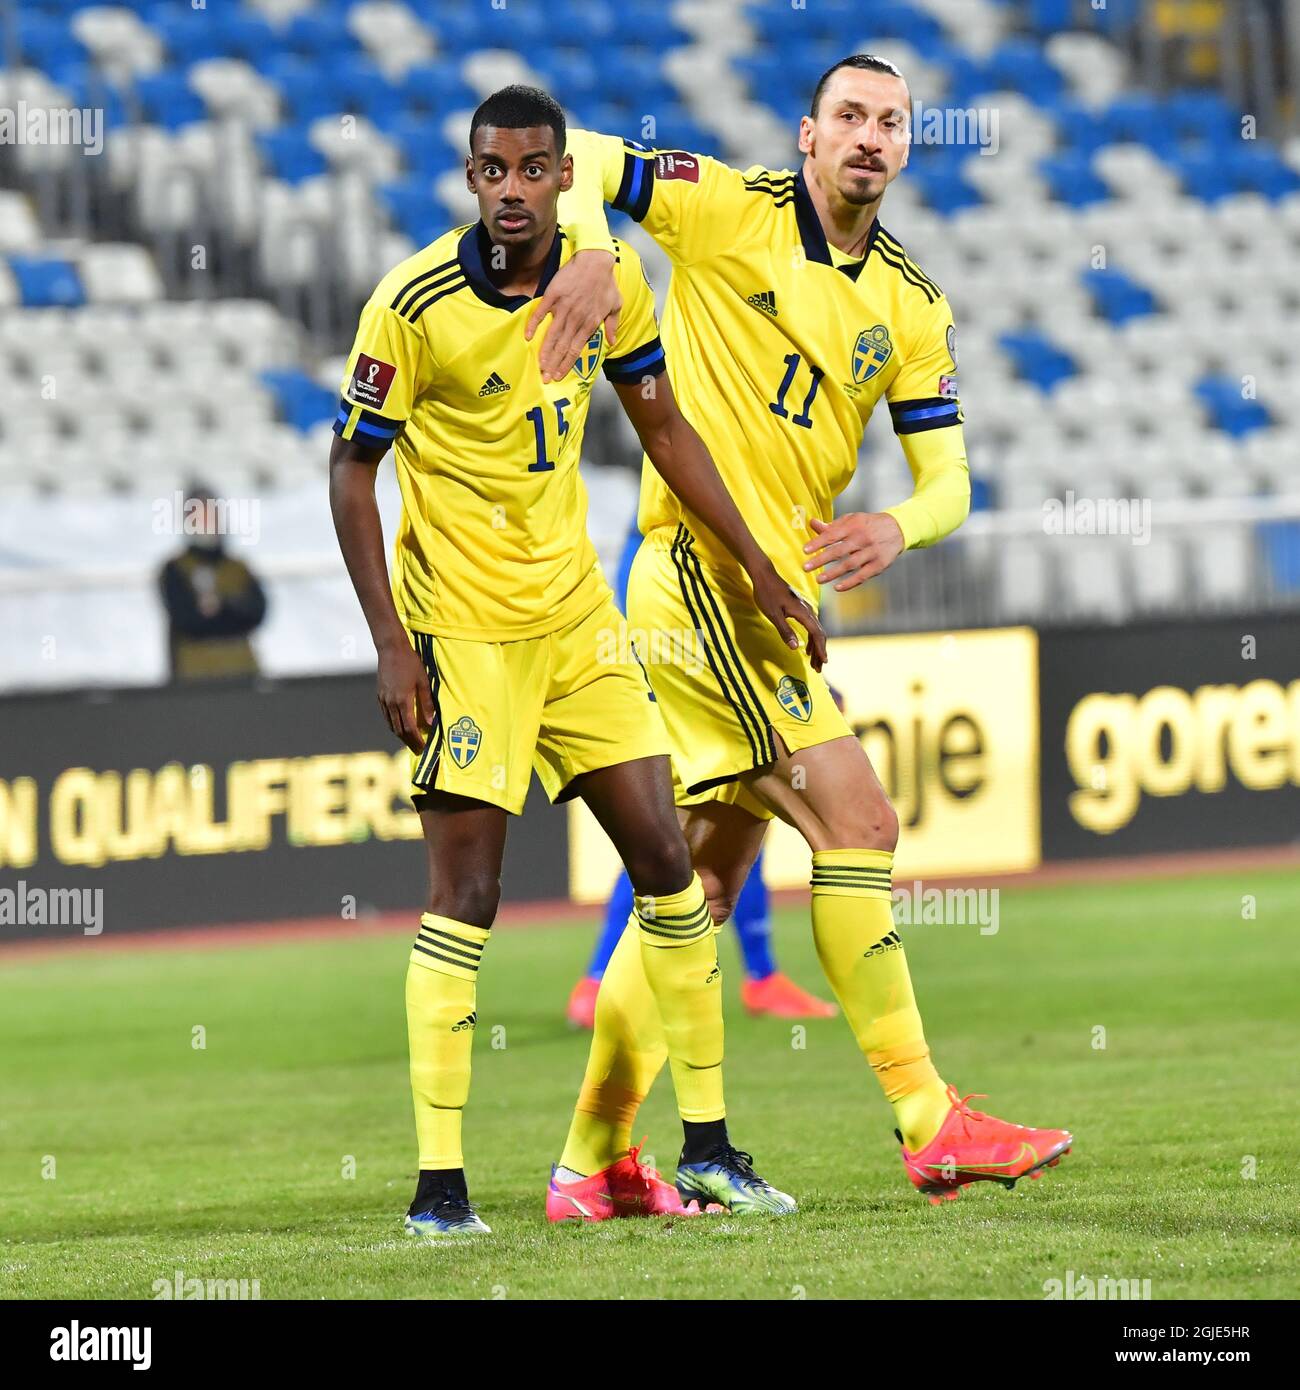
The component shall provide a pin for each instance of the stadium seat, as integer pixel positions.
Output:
(43, 282)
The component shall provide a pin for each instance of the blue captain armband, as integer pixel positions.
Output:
(647, 360)
(933, 413)
(638, 183)
(364, 426)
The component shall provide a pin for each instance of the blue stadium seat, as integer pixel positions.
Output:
(1079, 127)
(968, 78)
(1143, 119)
(569, 75)
(415, 209)
(1117, 297)
(1115, 17)
(44, 40)
(1204, 173)
(1227, 410)
(1037, 359)
(247, 33)
(1020, 65)
(358, 84)
(437, 86)
(1253, 169)
(1202, 115)
(513, 26)
(320, 34)
(635, 76)
(190, 35)
(303, 96)
(166, 99)
(426, 151)
(583, 27)
(1050, 16)
(937, 171)
(647, 22)
(302, 402)
(455, 24)
(889, 20)
(44, 282)
(1073, 180)
(290, 155)
(1281, 540)
(89, 89)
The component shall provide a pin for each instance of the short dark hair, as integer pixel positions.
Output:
(518, 107)
(868, 62)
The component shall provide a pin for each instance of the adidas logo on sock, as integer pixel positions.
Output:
(891, 942)
(764, 300)
(472, 1019)
(494, 386)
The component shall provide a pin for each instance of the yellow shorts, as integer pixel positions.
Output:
(725, 680)
(571, 702)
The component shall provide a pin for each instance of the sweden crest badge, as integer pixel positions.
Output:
(589, 357)
(463, 738)
(871, 352)
(793, 697)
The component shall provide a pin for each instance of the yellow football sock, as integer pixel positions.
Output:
(627, 1053)
(863, 958)
(440, 1018)
(680, 955)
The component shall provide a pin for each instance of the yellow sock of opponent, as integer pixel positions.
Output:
(440, 1019)
(680, 955)
(627, 1053)
(853, 927)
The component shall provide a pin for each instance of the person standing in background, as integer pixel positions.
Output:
(214, 602)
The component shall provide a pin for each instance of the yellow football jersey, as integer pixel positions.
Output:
(493, 539)
(780, 346)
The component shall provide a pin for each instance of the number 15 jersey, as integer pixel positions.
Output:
(493, 541)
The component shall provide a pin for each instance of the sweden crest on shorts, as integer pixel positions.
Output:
(871, 352)
(589, 357)
(463, 738)
(793, 697)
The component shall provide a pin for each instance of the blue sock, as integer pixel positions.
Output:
(616, 915)
(754, 925)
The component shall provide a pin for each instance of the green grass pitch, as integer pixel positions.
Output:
(233, 1161)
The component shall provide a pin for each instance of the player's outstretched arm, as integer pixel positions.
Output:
(584, 294)
(693, 206)
(860, 545)
(588, 296)
(683, 462)
(403, 684)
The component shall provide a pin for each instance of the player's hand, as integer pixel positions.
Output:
(780, 605)
(852, 549)
(582, 296)
(404, 694)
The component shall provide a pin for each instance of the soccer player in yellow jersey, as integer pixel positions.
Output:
(791, 314)
(501, 649)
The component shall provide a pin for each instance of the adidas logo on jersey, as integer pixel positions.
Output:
(764, 300)
(494, 386)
